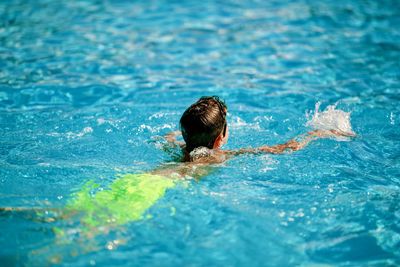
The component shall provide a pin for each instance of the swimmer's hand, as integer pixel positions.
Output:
(171, 138)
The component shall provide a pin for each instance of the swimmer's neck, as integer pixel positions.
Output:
(214, 155)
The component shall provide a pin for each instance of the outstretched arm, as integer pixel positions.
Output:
(292, 145)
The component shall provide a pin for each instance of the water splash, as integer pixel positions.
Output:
(200, 152)
(330, 119)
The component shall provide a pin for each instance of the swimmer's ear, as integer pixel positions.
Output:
(219, 141)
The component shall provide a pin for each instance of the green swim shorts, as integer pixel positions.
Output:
(125, 200)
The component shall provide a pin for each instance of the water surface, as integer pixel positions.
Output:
(88, 87)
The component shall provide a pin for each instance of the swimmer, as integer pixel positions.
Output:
(205, 130)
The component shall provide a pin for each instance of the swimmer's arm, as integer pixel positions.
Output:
(171, 138)
(45, 214)
(292, 145)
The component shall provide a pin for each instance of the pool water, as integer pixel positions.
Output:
(88, 89)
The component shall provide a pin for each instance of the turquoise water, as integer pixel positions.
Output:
(87, 89)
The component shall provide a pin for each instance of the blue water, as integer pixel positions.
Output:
(87, 88)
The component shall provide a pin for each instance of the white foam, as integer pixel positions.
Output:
(200, 152)
(330, 119)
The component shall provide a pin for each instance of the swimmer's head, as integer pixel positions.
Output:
(203, 124)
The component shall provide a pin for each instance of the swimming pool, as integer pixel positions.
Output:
(87, 88)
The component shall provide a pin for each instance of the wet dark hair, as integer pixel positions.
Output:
(203, 122)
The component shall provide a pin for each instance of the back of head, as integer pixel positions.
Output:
(203, 122)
